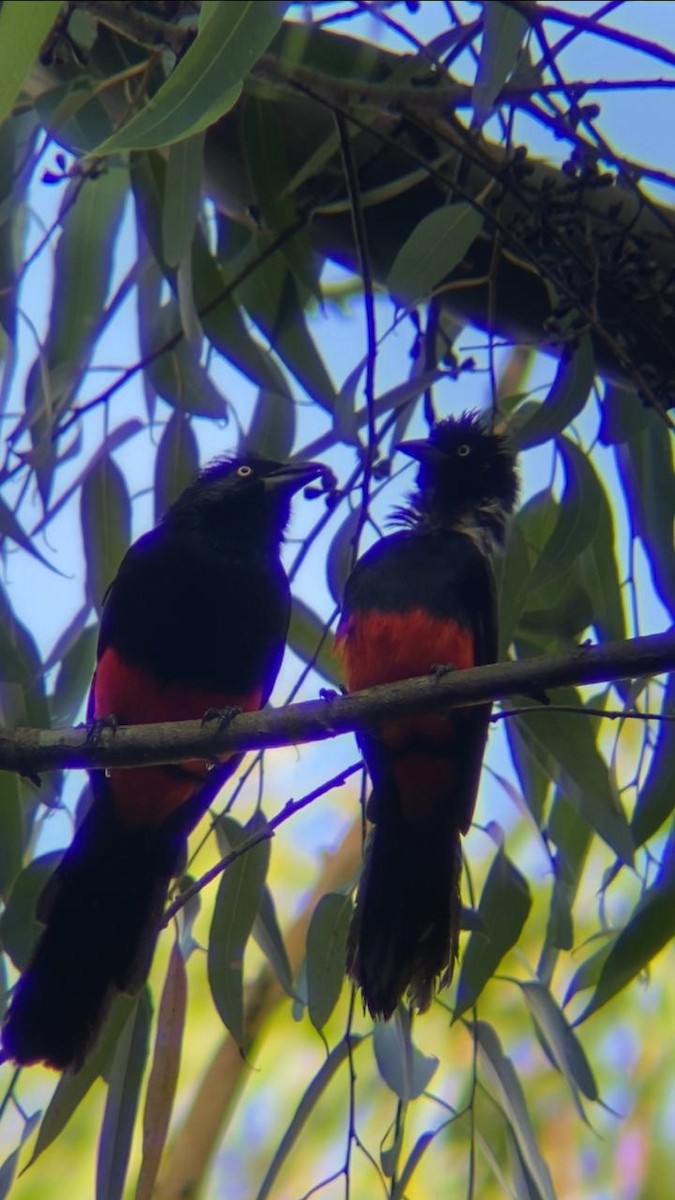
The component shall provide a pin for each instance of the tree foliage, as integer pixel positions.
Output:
(307, 229)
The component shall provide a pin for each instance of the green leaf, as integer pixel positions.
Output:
(164, 1072)
(124, 1086)
(503, 910)
(206, 82)
(177, 462)
(9, 1167)
(19, 927)
(651, 927)
(512, 586)
(600, 573)
(403, 1067)
(182, 197)
(559, 1040)
(72, 1089)
(11, 528)
(237, 905)
(569, 393)
(646, 467)
(566, 741)
(623, 414)
(508, 1093)
(105, 515)
(271, 433)
(656, 795)
(23, 30)
(12, 832)
(74, 676)
(179, 377)
(577, 520)
(572, 836)
(504, 30)
(341, 554)
(275, 302)
(267, 933)
(223, 323)
(305, 1108)
(307, 632)
(435, 247)
(326, 954)
(262, 138)
(83, 266)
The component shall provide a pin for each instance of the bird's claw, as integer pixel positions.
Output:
(222, 716)
(329, 694)
(97, 726)
(440, 670)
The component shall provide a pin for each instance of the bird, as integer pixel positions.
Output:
(194, 622)
(419, 598)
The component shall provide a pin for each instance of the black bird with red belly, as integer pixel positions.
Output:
(195, 619)
(421, 597)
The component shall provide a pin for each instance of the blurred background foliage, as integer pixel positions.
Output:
(308, 229)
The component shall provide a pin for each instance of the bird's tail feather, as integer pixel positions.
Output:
(102, 910)
(405, 929)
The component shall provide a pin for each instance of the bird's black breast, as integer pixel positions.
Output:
(194, 613)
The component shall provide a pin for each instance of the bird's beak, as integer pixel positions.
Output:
(421, 450)
(292, 476)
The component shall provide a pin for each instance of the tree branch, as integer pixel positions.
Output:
(28, 751)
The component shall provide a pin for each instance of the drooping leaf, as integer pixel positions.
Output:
(310, 1099)
(176, 463)
(326, 952)
(504, 29)
(105, 516)
(656, 796)
(309, 639)
(274, 301)
(9, 1167)
(72, 1089)
(403, 1067)
(568, 742)
(569, 392)
(645, 464)
(559, 1039)
(19, 927)
(651, 927)
(571, 835)
(74, 677)
(206, 82)
(435, 247)
(164, 1072)
(177, 374)
(577, 519)
(182, 197)
(23, 29)
(507, 1090)
(271, 431)
(267, 933)
(503, 909)
(124, 1085)
(236, 907)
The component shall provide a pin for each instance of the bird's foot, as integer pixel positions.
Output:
(222, 716)
(97, 726)
(440, 670)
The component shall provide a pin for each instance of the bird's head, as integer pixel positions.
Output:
(467, 477)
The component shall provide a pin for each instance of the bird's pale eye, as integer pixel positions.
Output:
(244, 471)
(462, 451)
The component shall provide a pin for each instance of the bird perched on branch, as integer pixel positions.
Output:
(196, 619)
(422, 597)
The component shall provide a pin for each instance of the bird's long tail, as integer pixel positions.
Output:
(405, 929)
(102, 910)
